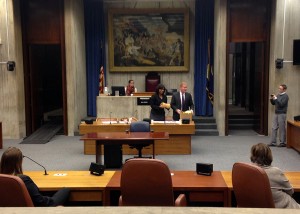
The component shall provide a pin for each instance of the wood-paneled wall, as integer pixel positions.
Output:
(248, 20)
(42, 21)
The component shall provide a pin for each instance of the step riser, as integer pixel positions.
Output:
(206, 133)
(240, 127)
(204, 120)
(241, 121)
(206, 126)
(240, 116)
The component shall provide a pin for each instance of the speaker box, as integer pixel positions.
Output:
(204, 168)
(297, 118)
(89, 121)
(185, 121)
(96, 169)
(11, 65)
(147, 120)
(279, 63)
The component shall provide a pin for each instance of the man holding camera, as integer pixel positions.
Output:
(279, 121)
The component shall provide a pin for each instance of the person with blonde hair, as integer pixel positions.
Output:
(11, 164)
(181, 101)
(281, 188)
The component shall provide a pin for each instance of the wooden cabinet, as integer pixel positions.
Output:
(293, 134)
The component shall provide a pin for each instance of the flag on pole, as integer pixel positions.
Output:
(101, 81)
(209, 76)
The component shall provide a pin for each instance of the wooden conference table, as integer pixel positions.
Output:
(197, 188)
(83, 185)
(120, 138)
(179, 142)
(106, 188)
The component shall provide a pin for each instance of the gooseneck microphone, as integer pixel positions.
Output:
(37, 164)
(109, 117)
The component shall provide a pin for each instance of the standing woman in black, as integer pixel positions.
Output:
(158, 103)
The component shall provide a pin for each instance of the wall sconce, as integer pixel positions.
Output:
(10, 65)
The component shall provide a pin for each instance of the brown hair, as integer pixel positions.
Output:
(283, 86)
(159, 86)
(11, 161)
(261, 154)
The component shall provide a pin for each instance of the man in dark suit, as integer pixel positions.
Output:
(181, 101)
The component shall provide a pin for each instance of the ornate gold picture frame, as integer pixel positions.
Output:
(143, 40)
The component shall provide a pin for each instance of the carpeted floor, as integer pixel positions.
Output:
(66, 153)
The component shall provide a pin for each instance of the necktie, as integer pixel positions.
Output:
(182, 102)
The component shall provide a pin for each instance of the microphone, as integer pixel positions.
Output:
(109, 117)
(37, 164)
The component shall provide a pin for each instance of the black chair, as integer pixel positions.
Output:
(139, 126)
(152, 80)
(171, 91)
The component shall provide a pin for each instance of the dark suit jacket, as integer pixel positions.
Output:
(176, 104)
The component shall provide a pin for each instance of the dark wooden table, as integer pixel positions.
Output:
(120, 138)
(197, 188)
(293, 134)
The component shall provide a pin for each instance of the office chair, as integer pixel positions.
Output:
(251, 186)
(147, 182)
(139, 126)
(151, 81)
(13, 192)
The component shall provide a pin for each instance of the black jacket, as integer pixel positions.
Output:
(37, 198)
(176, 104)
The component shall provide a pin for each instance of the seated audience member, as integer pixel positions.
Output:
(158, 103)
(281, 188)
(129, 89)
(11, 164)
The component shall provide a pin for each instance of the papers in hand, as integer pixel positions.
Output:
(165, 105)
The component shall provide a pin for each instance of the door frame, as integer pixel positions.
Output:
(27, 78)
(265, 80)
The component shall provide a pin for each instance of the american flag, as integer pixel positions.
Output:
(101, 81)
(209, 76)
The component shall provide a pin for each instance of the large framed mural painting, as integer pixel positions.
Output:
(143, 40)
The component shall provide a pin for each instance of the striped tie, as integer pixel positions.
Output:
(182, 102)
